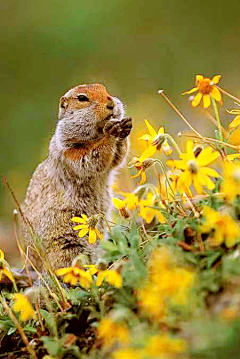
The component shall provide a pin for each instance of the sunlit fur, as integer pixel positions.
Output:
(77, 175)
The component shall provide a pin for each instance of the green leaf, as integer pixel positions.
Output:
(74, 349)
(30, 329)
(52, 345)
(134, 241)
(109, 246)
(76, 295)
(212, 258)
(11, 330)
(49, 319)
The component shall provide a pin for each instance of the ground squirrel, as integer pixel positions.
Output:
(89, 143)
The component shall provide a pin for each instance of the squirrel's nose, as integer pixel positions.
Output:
(110, 104)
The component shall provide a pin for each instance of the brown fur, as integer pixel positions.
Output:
(89, 144)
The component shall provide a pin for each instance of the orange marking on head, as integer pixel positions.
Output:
(95, 92)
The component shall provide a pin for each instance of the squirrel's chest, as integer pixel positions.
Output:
(87, 197)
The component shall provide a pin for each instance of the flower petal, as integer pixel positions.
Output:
(189, 147)
(190, 91)
(206, 157)
(234, 138)
(146, 138)
(199, 78)
(208, 182)
(217, 238)
(205, 153)
(206, 101)
(100, 278)
(233, 156)
(118, 203)
(197, 184)
(182, 165)
(161, 131)
(144, 177)
(80, 226)
(1, 255)
(148, 153)
(185, 179)
(83, 232)
(92, 236)
(78, 220)
(8, 274)
(210, 172)
(62, 271)
(72, 280)
(216, 79)
(197, 99)
(216, 94)
(98, 233)
(151, 130)
(137, 174)
(235, 122)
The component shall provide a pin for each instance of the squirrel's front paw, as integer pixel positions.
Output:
(120, 129)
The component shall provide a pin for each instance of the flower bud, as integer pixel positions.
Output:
(147, 163)
(125, 212)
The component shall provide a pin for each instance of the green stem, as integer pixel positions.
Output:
(166, 176)
(170, 138)
(217, 118)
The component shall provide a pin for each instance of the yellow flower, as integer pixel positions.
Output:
(88, 225)
(233, 156)
(167, 284)
(131, 201)
(120, 205)
(194, 168)
(128, 354)
(179, 186)
(148, 213)
(158, 346)
(236, 121)
(141, 164)
(111, 276)
(156, 142)
(23, 306)
(234, 137)
(164, 346)
(73, 275)
(207, 88)
(91, 268)
(3, 268)
(111, 333)
(231, 183)
(225, 229)
(151, 302)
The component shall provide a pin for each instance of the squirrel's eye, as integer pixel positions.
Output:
(82, 98)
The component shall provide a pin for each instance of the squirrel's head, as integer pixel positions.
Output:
(83, 112)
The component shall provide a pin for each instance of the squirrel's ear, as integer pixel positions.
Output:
(63, 102)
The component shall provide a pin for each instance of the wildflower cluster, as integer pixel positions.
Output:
(167, 285)
(167, 273)
(84, 276)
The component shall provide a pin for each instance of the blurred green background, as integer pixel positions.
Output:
(133, 47)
